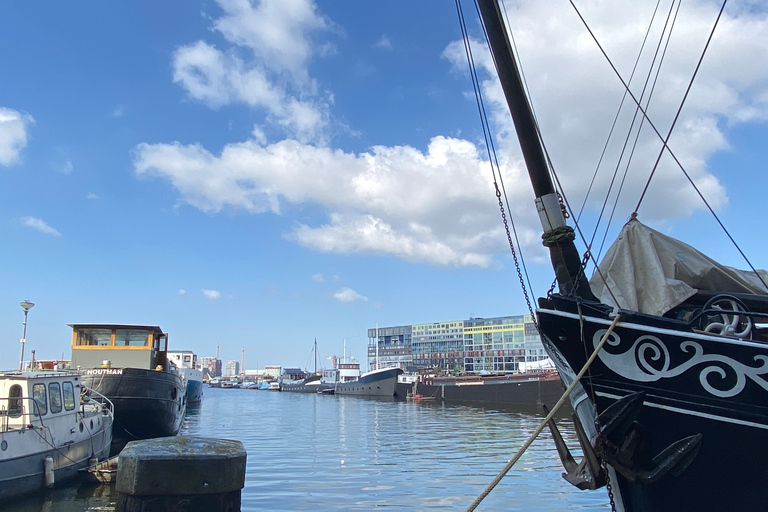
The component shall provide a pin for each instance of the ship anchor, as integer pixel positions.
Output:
(623, 443)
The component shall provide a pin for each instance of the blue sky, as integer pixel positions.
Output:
(261, 174)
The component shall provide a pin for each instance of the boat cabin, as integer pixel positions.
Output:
(30, 399)
(342, 372)
(184, 359)
(121, 346)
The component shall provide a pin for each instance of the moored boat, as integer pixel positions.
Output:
(190, 370)
(309, 384)
(129, 365)
(527, 388)
(346, 379)
(50, 427)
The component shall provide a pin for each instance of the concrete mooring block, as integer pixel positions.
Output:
(181, 474)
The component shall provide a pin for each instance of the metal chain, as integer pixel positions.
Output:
(604, 464)
(514, 255)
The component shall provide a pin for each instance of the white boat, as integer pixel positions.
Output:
(50, 427)
(274, 386)
(345, 379)
(191, 371)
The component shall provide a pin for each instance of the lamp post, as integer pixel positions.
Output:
(27, 306)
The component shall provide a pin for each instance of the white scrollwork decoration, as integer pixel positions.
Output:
(648, 360)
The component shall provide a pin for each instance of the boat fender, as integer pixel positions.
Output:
(49, 478)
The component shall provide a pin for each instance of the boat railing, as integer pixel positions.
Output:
(15, 413)
(92, 400)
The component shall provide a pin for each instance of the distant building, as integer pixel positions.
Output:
(439, 345)
(232, 368)
(500, 344)
(394, 347)
(273, 371)
(211, 366)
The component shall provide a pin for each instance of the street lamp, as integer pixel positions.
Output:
(27, 306)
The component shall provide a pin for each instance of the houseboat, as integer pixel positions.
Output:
(50, 427)
(129, 364)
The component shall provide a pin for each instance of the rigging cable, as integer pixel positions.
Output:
(665, 140)
(493, 160)
(642, 120)
(615, 121)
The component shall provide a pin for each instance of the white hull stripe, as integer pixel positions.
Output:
(693, 413)
(656, 330)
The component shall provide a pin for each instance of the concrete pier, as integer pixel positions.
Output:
(181, 474)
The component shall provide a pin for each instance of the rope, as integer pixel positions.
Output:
(546, 420)
(554, 236)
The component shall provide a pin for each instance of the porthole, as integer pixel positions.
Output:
(91, 424)
(173, 394)
(81, 426)
(4, 445)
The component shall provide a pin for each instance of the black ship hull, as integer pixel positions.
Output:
(377, 383)
(691, 384)
(148, 403)
(526, 391)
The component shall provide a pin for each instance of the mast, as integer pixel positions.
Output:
(377, 345)
(557, 235)
(315, 349)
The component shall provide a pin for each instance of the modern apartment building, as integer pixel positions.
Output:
(439, 345)
(499, 344)
(393, 349)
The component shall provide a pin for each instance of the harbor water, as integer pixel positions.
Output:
(341, 453)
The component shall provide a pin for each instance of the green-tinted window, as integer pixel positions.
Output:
(131, 337)
(98, 337)
(69, 396)
(39, 394)
(54, 394)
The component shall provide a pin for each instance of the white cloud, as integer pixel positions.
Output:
(40, 225)
(435, 204)
(431, 206)
(118, 111)
(265, 67)
(92, 196)
(383, 43)
(318, 278)
(348, 295)
(212, 294)
(13, 134)
(182, 291)
(66, 167)
(276, 31)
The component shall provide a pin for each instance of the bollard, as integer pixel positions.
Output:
(180, 474)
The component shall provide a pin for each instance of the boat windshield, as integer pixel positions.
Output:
(99, 336)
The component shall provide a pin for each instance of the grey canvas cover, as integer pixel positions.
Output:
(650, 272)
